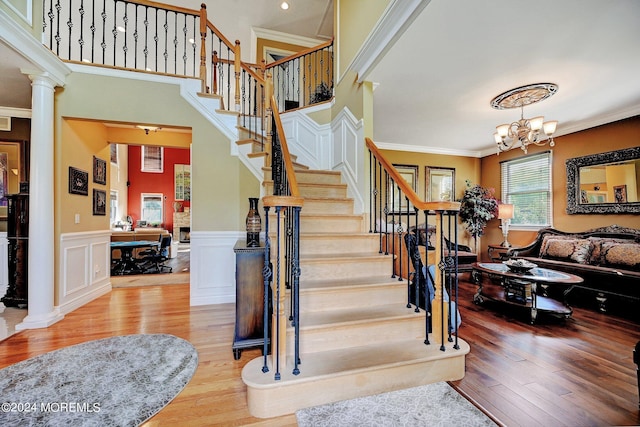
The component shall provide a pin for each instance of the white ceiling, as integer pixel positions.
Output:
(434, 86)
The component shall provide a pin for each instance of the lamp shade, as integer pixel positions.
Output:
(505, 211)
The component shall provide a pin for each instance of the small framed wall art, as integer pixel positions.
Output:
(78, 181)
(99, 202)
(99, 170)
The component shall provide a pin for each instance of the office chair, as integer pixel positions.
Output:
(155, 259)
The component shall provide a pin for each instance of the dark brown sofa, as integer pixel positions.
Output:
(607, 258)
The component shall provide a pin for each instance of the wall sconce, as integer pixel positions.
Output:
(505, 213)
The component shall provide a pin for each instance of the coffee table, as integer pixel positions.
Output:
(496, 282)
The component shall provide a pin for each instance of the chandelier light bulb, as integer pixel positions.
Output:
(503, 130)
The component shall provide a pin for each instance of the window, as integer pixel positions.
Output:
(152, 208)
(114, 153)
(526, 183)
(152, 159)
(113, 205)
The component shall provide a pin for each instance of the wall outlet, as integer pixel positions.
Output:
(77, 218)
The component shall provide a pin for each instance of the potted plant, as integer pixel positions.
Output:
(477, 207)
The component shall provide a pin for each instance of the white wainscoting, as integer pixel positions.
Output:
(85, 260)
(308, 140)
(4, 264)
(213, 267)
(348, 153)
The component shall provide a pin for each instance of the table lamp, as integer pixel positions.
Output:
(505, 213)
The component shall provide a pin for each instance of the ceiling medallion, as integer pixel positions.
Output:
(524, 131)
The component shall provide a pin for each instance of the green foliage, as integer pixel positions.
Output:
(477, 207)
(323, 93)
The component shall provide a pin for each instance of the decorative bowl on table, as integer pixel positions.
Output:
(519, 265)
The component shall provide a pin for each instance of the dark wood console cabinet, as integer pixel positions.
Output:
(18, 236)
(249, 330)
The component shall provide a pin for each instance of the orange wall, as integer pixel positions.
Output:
(609, 137)
(144, 182)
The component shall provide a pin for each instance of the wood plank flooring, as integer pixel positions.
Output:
(556, 373)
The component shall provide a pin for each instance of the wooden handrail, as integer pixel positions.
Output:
(291, 175)
(406, 189)
(253, 74)
(301, 53)
(217, 32)
(164, 6)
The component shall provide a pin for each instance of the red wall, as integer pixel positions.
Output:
(146, 182)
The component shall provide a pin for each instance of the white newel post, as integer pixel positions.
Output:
(41, 312)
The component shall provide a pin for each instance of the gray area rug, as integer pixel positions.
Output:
(118, 381)
(430, 405)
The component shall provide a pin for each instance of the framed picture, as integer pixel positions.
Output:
(99, 170)
(440, 184)
(78, 181)
(99, 202)
(620, 193)
(397, 201)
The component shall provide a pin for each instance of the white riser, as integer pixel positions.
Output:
(328, 206)
(315, 190)
(346, 268)
(320, 296)
(355, 334)
(343, 243)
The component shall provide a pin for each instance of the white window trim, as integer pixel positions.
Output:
(161, 196)
(503, 195)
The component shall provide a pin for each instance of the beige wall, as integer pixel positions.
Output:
(215, 207)
(610, 137)
(22, 11)
(467, 168)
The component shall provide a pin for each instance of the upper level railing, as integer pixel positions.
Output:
(153, 37)
(396, 209)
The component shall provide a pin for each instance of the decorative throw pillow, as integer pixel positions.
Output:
(576, 250)
(597, 242)
(625, 255)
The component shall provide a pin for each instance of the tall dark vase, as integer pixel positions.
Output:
(254, 224)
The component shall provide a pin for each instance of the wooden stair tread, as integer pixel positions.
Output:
(360, 282)
(340, 256)
(349, 361)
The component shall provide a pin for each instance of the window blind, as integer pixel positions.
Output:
(151, 159)
(526, 183)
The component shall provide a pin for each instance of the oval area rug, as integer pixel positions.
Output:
(117, 381)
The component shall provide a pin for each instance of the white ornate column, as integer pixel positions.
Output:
(41, 269)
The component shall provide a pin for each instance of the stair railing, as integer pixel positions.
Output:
(395, 209)
(282, 267)
(305, 78)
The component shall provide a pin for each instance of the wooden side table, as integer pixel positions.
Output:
(498, 253)
(249, 330)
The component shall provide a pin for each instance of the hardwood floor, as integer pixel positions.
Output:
(574, 372)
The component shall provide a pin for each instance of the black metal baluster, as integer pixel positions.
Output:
(166, 40)
(442, 273)
(51, 16)
(371, 189)
(267, 274)
(93, 29)
(114, 31)
(428, 296)
(135, 38)
(125, 48)
(175, 43)
(184, 46)
(58, 38)
(81, 39)
(156, 38)
(296, 285)
(103, 45)
(276, 348)
(70, 26)
(456, 282)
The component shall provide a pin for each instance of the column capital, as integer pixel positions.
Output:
(42, 77)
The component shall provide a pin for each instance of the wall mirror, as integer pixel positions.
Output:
(604, 183)
(440, 184)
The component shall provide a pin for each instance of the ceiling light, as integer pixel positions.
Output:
(148, 129)
(524, 131)
(284, 5)
(120, 28)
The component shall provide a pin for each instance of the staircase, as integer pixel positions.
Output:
(358, 338)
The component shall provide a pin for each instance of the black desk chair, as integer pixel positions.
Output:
(154, 259)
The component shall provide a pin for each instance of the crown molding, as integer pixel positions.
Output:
(394, 21)
(23, 113)
(427, 150)
(277, 36)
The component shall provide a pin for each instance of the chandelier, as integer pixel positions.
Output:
(524, 131)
